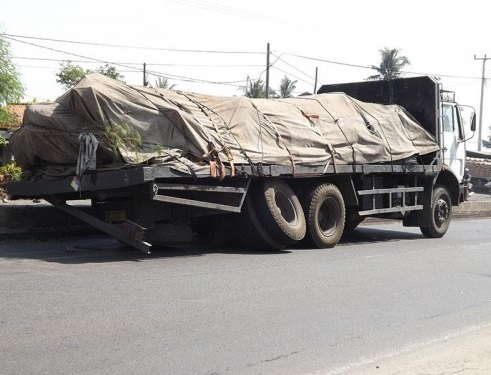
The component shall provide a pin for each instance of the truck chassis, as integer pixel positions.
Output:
(145, 205)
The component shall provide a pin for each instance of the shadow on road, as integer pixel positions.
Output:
(368, 234)
(103, 249)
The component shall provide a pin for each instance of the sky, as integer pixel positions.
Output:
(212, 46)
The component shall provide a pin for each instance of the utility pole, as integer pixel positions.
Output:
(144, 74)
(267, 72)
(483, 82)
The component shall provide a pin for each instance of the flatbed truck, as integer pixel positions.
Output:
(269, 206)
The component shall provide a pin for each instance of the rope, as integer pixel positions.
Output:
(87, 158)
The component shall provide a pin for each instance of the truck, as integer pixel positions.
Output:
(161, 167)
(478, 166)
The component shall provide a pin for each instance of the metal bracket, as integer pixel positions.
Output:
(101, 225)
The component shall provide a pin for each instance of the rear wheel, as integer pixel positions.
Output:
(441, 213)
(252, 233)
(280, 211)
(324, 210)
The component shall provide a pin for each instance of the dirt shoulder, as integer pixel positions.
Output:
(465, 352)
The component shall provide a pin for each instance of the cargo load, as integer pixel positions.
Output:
(134, 125)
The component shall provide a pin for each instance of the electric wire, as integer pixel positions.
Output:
(134, 67)
(13, 36)
(371, 67)
(131, 68)
(147, 64)
(130, 47)
(294, 67)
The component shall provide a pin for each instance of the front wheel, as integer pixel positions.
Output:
(441, 213)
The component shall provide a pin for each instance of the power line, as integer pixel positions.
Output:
(370, 67)
(134, 67)
(128, 46)
(187, 79)
(290, 65)
(136, 70)
(12, 36)
(148, 64)
(292, 75)
(71, 53)
(328, 61)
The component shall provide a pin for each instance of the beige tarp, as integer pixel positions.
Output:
(179, 128)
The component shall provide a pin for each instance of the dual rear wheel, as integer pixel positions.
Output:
(324, 210)
(273, 217)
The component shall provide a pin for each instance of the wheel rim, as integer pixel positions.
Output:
(442, 211)
(327, 217)
(286, 208)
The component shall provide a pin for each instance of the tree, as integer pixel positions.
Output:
(286, 87)
(11, 88)
(256, 88)
(163, 83)
(110, 71)
(391, 64)
(69, 74)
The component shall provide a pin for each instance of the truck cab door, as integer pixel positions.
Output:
(453, 139)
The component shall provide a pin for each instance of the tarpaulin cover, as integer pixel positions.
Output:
(134, 125)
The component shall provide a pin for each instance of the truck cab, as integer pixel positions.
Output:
(452, 136)
(434, 108)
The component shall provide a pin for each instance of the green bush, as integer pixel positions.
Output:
(7, 118)
(12, 170)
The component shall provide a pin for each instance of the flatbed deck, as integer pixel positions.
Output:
(140, 175)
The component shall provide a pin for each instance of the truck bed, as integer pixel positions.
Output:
(131, 176)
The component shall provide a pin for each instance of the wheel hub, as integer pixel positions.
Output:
(441, 211)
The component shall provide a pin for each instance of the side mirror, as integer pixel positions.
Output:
(473, 122)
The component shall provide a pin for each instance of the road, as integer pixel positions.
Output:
(384, 294)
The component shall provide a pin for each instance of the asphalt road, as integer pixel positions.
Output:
(89, 306)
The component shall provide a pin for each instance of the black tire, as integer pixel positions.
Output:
(441, 213)
(352, 220)
(252, 234)
(280, 211)
(325, 213)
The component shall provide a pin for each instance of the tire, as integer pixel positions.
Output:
(441, 213)
(325, 213)
(352, 220)
(280, 211)
(252, 233)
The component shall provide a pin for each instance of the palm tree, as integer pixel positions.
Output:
(286, 87)
(256, 88)
(390, 66)
(163, 83)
